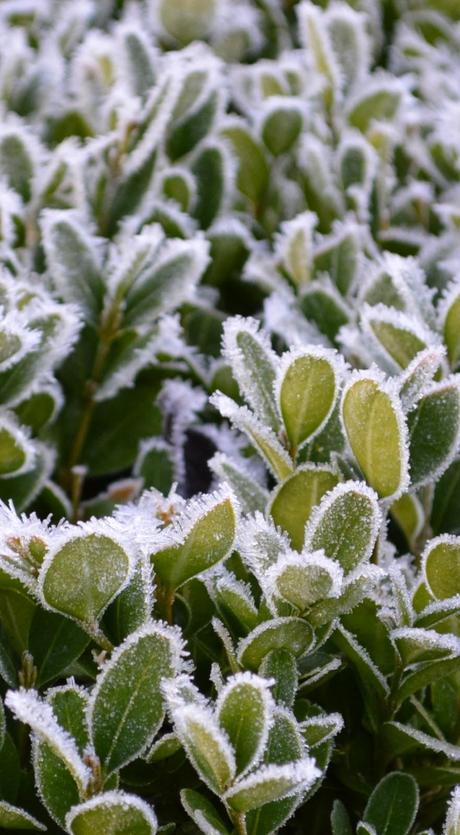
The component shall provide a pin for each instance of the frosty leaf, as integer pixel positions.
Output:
(251, 495)
(164, 747)
(126, 707)
(58, 789)
(2, 724)
(54, 643)
(17, 452)
(338, 256)
(367, 671)
(253, 364)
(294, 247)
(244, 710)
(319, 729)
(113, 813)
(349, 39)
(453, 814)
(288, 633)
(212, 169)
(193, 125)
(376, 432)
(167, 282)
(422, 645)
(294, 500)
(202, 538)
(380, 101)
(202, 813)
(397, 335)
(16, 162)
(441, 564)
(419, 374)
(322, 305)
(280, 665)
(316, 38)
(393, 805)
(340, 820)
(206, 744)
(138, 59)
(281, 124)
(399, 738)
(437, 611)
(187, 24)
(270, 783)
(73, 261)
(83, 573)
(235, 598)
(253, 170)
(451, 326)
(307, 389)
(13, 818)
(303, 580)
(345, 524)
(263, 439)
(28, 708)
(434, 431)
(408, 513)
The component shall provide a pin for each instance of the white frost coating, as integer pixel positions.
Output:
(365, 658)
(262, 686)
(316, 39)
(290, 357)
(130, 256)
(451, 383)
(205, 719)
(31, 710)
(244, 420)
(453, 813)
(427, 741)
(402, 600)
(21, 528)
(390, 388)
(283, 318)
(15, 325)
(333, 721)
(224, 467)
(180, 404)
(110, 800)
(237, 360)
(319, 512)
(296, 776)
(225, 581)
(9, 423)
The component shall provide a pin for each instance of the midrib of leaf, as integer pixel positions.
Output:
(116, 736)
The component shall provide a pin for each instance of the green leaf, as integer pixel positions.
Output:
(407, 511)
(13, 818)
(80, 577)
(126, 708)
(452, 823)
(302, 580)
(55, 642)
(194, 25)
(16, 163)
(426, 674)
(393, 805)
(185, 133)
(345, 524)
(206, 745)
(163, 748)
(451, 330)
(58, 789)
(16, 452)
(281, 125)
(16, 614)
(253, 171)
(378, 104)
(251, 495)
(323, 305)
(434, 428)
(400, 342)
(307, 389)
(445, 515)
(253, 365)
(210, 170)
(202, 813)
(280, 665)
(441, 564)
(133, 606)
(270, 783)
(113, 813)
(340, 820)
(196, 543)
(244, 711)
(399, 738)
(294, 500)
(73, 261)
(288, 633)
(377, 434)
(338, 256)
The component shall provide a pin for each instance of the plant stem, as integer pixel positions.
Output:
(239, 821)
